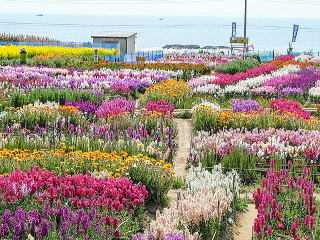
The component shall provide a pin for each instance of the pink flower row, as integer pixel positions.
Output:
(80, 191)
(227, 79)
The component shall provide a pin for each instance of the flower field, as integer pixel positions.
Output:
(157, 150)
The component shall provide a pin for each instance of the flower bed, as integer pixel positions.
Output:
(243, 149)
(30, 116)
(14, 51)
(208, 119)
(203, 210)
(125, 80)
(209, 60)
(287, 107)
(174, 91)
(42, 204)
(285, 206)
(157, 175)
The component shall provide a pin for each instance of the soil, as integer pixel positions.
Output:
(243, 230)
(180, 161)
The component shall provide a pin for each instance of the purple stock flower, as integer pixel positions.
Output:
(83, 106)
(245, 106)
(307, 78)
(291, 91)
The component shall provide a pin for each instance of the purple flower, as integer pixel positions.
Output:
(83, 106)
(245, 106)
(291, 91)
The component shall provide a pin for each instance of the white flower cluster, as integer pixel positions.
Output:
(198, 178)
(47, 104)
(314, 92)
(209, 88)
(210, 105)
(209, 196)
(303, 58)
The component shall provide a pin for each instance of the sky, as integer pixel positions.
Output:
(234, 8)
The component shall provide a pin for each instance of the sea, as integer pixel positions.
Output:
(156, 31)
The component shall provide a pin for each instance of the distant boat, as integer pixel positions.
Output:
(161, 19)
(39, 15)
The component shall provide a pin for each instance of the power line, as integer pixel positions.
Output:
(79, 25)
(114, 2)
(306, 2)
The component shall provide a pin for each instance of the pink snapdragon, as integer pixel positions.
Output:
(79, 191)
(285, 58)
(115, 107)
(279, 189)
(294, 108)
(227, 79)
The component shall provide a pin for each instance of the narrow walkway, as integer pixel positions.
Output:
(180, 161)
(243, 231)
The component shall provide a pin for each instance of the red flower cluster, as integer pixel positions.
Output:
(80, 191)
(285, 58)
(227, 79)
(287, 107)
(163, 107)
(281, 198)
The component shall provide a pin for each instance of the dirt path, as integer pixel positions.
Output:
(180, 160)
(243, 231)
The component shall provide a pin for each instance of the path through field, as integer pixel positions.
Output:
(180, 160)
(243, 230)
(184, 140)
(244, 226)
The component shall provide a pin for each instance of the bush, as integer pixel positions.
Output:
(237, 66)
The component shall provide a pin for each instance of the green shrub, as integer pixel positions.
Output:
(238, 66)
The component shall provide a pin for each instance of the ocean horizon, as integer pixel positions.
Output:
(158, 31)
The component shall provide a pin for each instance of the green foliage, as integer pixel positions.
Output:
(184, 115)
(7, 62)
(51, 95)
(157, 183)
(178, 183)
(240, 159)
(238, 66)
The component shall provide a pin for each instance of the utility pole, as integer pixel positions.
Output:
(245, 18)
(245, 25)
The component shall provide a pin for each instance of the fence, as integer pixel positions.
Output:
(66, 44)
(266, 56)
(136, 57)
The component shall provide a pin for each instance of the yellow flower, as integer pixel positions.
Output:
(163, 176)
